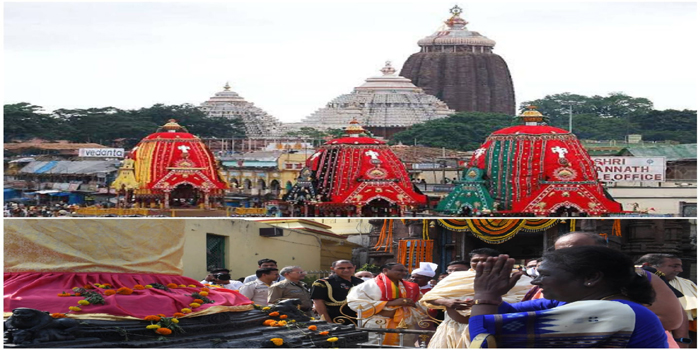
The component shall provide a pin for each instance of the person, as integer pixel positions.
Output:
(535, 292)
(457, 265)
(262, 264)
(668, 266)
(257, 290)
(291, 287)
(452, 295)
(364, 275)
(329, 294)
(593, 299)
(666, 307)
(422, 275)
(388, 301)
(531, 267)
(221, 277)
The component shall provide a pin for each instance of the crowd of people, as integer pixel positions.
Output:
(11, 209)
(581, 293)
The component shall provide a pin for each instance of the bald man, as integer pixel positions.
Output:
(666, 307)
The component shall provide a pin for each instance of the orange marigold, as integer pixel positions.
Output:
(178, 314)
(281, 323)
(152, 318)
(88, 286)
(204, 289)
(198, 301)
(161, 315)
(125, 291)
(110, 292)
(58, 315)
(323, 333)
(139, 287)
(313, 328)
(172, 285)
(269, 322)
(204, 294)
(164, 331)
(77, 294)
(274, 314)
(282, 317)
(64, 294)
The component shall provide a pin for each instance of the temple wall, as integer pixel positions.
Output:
(244, 247)
(664, 200)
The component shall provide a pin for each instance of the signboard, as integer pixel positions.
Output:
(638, 169)
(101, 152)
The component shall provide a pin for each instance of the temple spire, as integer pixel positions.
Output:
(227, 87)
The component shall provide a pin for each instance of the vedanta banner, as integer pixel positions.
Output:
(637, 169)
(101, 152)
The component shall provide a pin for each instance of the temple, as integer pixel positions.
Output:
(170, 168)
(459, 67)
(531, 169)
(384, 105)
(354, 175)
(228, 104)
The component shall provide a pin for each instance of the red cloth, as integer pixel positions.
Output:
(39, 290)
(385, 285)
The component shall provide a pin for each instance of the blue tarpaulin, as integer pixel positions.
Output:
(46, 167)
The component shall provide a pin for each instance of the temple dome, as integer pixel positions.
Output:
(228, 104)
(384, 104)
(530, 169)
(456, 34)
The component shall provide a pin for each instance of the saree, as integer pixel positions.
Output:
(588, 323)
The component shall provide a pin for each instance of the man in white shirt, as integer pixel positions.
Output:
(262, 264)
(257, 290)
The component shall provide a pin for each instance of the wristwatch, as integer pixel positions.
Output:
(683, 340)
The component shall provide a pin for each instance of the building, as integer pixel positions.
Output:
(458, 66)
(228, 104)
(384, 105)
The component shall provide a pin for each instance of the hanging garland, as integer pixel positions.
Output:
(495, 231)
(386, 236)
(572, 225)
(413, 251)
(617, 228)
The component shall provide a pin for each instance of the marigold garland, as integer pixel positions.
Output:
(152, 318)
(175, 320)
(88, 286)
(83, 302)
(204, 294)
(181, 285)
(324, 333)
(125, 291)
(110, 292)
(195, 305)
(274, 314)
(266, 308)
(198, 301)
(313, 328)
(186, 311)
(171, 285)
(332, 340)
(74, 308)
(191, 286)
(277, 341)
(269, 322)
(282, 317)
(178, 314)
(282, 323)
(152, 326)
(139, 287)
(58, 315)
(148, 286)
(64, 294)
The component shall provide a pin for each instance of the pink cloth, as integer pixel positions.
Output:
(39, 290)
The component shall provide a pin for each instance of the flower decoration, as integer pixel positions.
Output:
(281, 323)
(64, 294)
(175, 320)
(332, 340)
(164, 331)
(324, 333)
(152, 318)
(178, 314)
(125, 291)
(266, 308)
(74, 308)
(88, 286)
(198, 301)
(171, 285)
(58, 315)
(110, 292)
(269, 322)
(181, 286)
(204, 294)
(313, 328)
(148, 286)
(83, 302)
(186, 311)
(192, 286)
(152, 326)
(139, 287)
(195, 305)
(274, 314)
(277, 341)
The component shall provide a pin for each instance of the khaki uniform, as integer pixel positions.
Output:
(291, 290)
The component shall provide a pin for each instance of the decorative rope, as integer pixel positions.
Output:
(617, 228)
(572, 225)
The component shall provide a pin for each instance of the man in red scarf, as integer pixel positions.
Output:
(388, 301)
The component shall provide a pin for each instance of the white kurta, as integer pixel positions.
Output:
(367, 296)
(690, 295)
(460, 285)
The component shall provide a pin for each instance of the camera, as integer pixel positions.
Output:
(223, 276)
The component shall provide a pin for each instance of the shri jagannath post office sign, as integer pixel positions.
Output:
(639, 169)
(101, 152)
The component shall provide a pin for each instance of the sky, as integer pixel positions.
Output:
(291, 58)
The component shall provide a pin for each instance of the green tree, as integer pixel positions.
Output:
(24, 121)
(463, 131)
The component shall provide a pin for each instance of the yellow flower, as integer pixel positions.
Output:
(282, 323)
(74, 308)
(181, 286)
(175, 320)
(83, 302)
(191, 286)
(292, 321)
(152, 326)
(148, 286)
(277, 341)
(266, 308)
(332, 340)
(312, 318)
(186, 311)
(195, 305)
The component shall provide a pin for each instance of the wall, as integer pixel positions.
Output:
(664, 200)
(244, 247)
